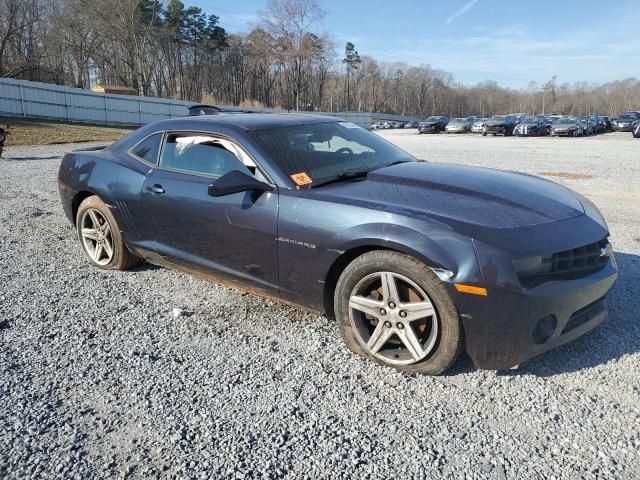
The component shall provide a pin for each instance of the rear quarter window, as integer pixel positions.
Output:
(148, 148)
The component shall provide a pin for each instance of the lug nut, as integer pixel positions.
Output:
(403, 314)
(400, 325)
(392, 305)
(387, 324)
(383, 311)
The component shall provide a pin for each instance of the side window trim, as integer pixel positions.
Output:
(218, 136)
(162, 134)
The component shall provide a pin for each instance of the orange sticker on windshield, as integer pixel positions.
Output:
(301, 179)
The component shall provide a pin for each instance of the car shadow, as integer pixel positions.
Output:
(145, 267)
(616, 338)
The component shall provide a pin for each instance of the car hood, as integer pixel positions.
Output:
(428, 124)
(458, 194)
(565, 125)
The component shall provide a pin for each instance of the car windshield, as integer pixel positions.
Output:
(432, 119)
(627, 118)
(498, 117)
(457, 121)
(566, 121)
(323, 151)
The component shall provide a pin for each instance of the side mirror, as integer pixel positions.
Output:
(236, 181)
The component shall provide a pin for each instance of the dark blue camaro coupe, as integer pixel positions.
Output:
(415, 261)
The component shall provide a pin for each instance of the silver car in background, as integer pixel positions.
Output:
(458, 125)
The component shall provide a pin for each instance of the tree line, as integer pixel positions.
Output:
(286, 61)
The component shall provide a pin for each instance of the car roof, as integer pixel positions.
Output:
(246, 121)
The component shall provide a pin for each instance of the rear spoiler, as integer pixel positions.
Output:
(91, 149)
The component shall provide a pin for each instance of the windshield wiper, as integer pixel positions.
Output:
(349, 175)
(398, 162)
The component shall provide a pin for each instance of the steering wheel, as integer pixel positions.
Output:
(345, 150)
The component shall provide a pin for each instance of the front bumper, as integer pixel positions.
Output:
(563, 133)
(623, 128)
(500, 129)
(428, 129)
(499, 328)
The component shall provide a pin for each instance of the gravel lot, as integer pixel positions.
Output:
(100, 377)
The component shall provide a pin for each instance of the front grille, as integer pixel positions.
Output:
(570, 264)
(587, 258)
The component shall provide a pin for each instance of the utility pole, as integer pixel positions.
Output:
(549, 86)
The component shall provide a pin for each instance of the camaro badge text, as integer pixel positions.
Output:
(296, 242)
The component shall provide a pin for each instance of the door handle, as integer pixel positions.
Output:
(156, 189)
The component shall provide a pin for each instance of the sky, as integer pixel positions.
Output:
(511, 42)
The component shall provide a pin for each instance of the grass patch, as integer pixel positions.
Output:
(42, 132)
(573, 176)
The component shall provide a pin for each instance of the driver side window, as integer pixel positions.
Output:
(203, 154)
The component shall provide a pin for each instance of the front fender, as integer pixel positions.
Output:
(443, 249)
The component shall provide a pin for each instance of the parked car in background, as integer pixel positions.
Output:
(625, 120)
(458, 125)
(433, 124)
(588, 126)
(500, 125)
(608, 126)
(598, 123)
(520, 117)
(567, 127)
(478, 125)
(411, 124)
(548, 121)
(531, 127)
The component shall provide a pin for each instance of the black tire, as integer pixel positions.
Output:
(122, 258)
(449, 341)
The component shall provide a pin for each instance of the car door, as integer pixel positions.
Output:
(233, 236)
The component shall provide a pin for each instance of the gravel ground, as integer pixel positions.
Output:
(154, 373)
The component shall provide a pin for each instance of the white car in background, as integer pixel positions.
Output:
(478, 125)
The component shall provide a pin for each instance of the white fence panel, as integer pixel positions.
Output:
(44, 100)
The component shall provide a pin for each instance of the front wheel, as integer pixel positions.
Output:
(393, 310)
(100, 236)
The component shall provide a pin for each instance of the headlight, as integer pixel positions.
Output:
(528, 267)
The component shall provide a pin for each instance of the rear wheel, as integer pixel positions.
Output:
(394, 310)
(100, 237)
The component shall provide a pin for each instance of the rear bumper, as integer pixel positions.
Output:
(500, 328)
(66, 197)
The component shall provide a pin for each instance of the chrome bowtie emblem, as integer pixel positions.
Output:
(606, 250)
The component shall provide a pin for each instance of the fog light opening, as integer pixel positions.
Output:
(544, 329)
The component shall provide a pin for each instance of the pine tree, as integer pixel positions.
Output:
(352, 62)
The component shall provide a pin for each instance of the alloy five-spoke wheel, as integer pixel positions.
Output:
(96, 236)
(394, 310)
(393, 318)
(100, 236)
